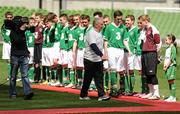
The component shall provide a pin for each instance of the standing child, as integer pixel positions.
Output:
(30, 44)
(170, 66)
(6, 42)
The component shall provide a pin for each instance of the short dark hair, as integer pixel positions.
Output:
(64, 15)
(99, 13)
(71, 19)
(117, 13)
(85, 17)
(39, 14)
(51, 16)
(131, 17)
(8, 13)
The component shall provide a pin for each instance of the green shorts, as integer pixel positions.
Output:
(170, 74)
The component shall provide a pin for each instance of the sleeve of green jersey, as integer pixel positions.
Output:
(76, 35)
(3, 32)
(106, 33)
(125, 35)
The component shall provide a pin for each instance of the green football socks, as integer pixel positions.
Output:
(31, 73)
(173, 89)
(113, 78)
(132, 83)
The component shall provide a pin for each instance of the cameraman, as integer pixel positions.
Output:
(19, 55)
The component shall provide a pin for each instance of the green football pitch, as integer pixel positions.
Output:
(49, 99)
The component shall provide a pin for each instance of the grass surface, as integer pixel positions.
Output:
(49, 99)
(46, 99)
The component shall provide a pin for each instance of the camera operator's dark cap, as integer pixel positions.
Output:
(19, 20)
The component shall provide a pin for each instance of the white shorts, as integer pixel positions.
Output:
(70, 59)
(6, 50)
(116, 59)
(46, 57)
(55, 50)
(31, 56)
(105, 63)
(63, 57)
(52, 55)
(132, 62)
(80, 58)
(137, 62)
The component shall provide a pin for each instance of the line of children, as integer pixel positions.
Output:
(62, 43)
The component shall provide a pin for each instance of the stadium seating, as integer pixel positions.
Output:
(166, 22)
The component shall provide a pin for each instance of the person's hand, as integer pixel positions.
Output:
(55, 61)
(74, 65)
(104, 57)
(165, 68)
(130, 53)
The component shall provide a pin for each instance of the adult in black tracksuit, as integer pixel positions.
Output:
(19, 55)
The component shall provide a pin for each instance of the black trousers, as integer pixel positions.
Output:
(37, 53)
(93, 70)
(37, 60)
(149, 67)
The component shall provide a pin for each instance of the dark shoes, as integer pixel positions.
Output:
(29, 96)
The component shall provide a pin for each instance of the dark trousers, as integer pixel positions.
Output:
(37, 53)
(37, 60)
(22, 63)
(149, 67)
(93, 70)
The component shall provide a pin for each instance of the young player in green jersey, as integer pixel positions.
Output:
(133, 60)
(57, 69)
(6, 41)
(170, 66)
(30, 44)
(63, 58)
(114, 36)
(78, 50)
(51, 55)
(106, 21)
(71, 39)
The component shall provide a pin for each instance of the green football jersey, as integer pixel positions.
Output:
(5, 34)
(49, 35)
(44, 43)
(29, 38)
(133, 34)
(58, 27)
(71, 37)
(115, 35)
(103, 30)
(88, 29)
(64, 38)
(170, 55)
(79, 37)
